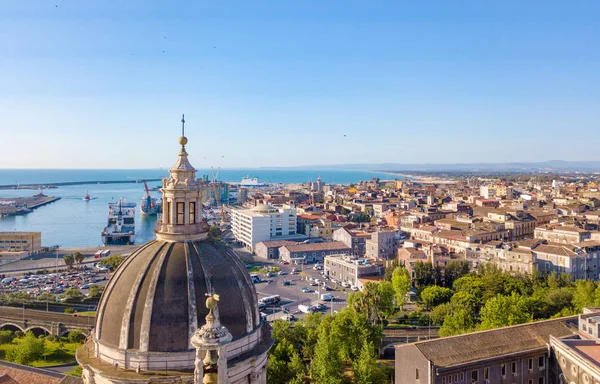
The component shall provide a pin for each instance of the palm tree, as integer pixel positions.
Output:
(69, 260)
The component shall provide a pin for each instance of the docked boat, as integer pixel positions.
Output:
(150, 205)
(251, 182)
(121, 223)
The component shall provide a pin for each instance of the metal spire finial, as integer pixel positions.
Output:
(183, 125)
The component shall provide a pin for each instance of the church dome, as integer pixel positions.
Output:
(153, 316)
(155, 300)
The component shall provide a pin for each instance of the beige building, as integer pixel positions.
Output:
(20, 242)
(345, 268)
(562, 234)
(382, 245)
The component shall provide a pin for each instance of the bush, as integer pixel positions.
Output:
(26, 352)
(51, 338)
(69, 310)
(6, 337)
(19, 334)
(76, 336)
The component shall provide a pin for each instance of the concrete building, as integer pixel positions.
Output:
(382, 245)
(346, 268)
(357, 241)
(26, 243)
(269, 250)
(312, 252)
(263, 223)
(154, 322)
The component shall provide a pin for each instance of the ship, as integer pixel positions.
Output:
(251, 182)
(121, 223)
(150, 205)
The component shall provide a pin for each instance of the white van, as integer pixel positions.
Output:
(326, 296)
(306, 308)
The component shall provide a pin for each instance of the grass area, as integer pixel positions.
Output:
(259, 269)
(91, 313)
(55, 352)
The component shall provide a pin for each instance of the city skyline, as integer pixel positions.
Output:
(287, 85)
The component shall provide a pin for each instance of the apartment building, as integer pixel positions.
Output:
(562, 234)
(356, 241)
(382, 245)
(311, 252)
(263, 223)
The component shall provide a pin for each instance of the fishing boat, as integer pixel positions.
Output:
(87, 196)
(121, 223)
(150, 205)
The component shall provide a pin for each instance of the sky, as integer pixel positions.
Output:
(103, 84)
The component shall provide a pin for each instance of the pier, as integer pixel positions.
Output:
(12, 206)
(67, 183)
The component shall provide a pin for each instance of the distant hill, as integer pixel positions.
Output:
(544, 166)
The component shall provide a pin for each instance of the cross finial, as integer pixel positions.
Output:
(183, 125)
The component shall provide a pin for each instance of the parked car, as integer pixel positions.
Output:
(282, 273)
(288, 318)
(354, 288)
(306, 290)
(287, 282)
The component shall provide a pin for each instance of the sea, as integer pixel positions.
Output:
(74, 222)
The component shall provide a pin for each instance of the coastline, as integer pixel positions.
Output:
(424, 179)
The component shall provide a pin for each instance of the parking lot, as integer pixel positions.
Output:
(298, 285)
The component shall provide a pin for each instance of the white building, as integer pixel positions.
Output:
(263, 223)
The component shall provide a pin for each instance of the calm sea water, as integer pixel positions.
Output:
(74, 222)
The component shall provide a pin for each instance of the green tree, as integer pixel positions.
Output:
(72, 295)
(432, 296)
(439, 314)
(27, 351)
(214, 232)
(455, 270)
(69, 260)
(502, 311)
(79, 257)
(387, 273)
(470, 284)
(326, 366)
(401, 284)
(76, 336)
(95, 291)
(46, 297)
(465, 300)
(424, 274)
(6, 336)
(583, 295)
(458, 322)
(112, 261)
(366, 370)
(386, 293)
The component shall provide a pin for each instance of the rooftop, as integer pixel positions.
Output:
(327, 246)
(476, 346)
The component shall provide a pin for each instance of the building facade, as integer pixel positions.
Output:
(345, 268)
(263, 223)
(312, 252)
(382, 245)
(20, 242)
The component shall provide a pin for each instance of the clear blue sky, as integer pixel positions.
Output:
(85, 84)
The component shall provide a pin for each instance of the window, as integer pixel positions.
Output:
(541, 362)
(541, 380)
(530, 364)
(192, 213)
(180, 212)
(417, 373)
(530, 382)
(168, 212)
(450, 379)
(486, 373)
(444, 380)
(462, 376)
(456, 377)
(513, 368)
(474, 376)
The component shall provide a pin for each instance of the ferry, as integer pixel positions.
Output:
(121, 223)
(251, 182)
